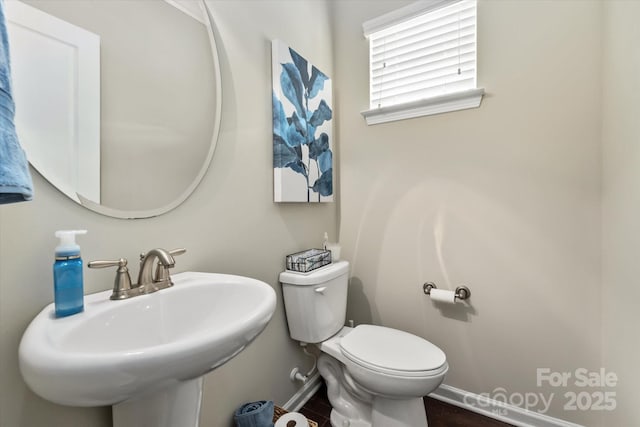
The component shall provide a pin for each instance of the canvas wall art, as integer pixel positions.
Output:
(302, 137)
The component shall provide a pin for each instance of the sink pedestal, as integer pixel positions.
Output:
(178, 405)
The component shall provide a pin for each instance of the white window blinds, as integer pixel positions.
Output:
(428, 54)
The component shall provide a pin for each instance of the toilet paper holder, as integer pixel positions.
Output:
(461, 293)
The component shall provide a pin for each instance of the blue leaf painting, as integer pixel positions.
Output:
(321, 115)
(279, 119)
(286, 129)
(294, 137)
(311, 131)
(319, 146)
(303, 67)
(324, 184)
(300, 124)
(292, 87)
(316, 83)
(325, 161)
(283, 155)
(302, 107)
(299, 167)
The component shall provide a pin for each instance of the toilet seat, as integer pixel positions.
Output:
(392, 352)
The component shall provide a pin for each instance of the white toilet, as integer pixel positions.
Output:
(376, 376)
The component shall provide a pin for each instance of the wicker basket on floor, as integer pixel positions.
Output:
(278, 412)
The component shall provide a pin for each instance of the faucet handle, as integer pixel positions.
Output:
(102, 264)
(162, 272)
(172, 252)
(178, 251)
(122, 284)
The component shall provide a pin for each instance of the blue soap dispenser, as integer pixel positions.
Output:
(67, 274)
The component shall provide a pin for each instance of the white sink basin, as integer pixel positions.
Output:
(119, 350)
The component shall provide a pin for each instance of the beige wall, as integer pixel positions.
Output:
(504, 198)
(621, 204)
(230, 224)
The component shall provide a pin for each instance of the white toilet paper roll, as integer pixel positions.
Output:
(441, 295)
(299, 419)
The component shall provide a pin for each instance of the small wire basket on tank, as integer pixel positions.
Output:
(309, 260)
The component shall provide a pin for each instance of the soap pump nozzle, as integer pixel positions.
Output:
(68, 245)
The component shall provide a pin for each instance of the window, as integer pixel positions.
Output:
(422, 60)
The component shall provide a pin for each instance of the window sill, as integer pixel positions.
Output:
(426, 107)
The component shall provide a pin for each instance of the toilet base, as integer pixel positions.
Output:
(398, 413)
(354, 407)
(387, 413)
(339, 420)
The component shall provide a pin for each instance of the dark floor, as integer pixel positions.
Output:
(439, 414)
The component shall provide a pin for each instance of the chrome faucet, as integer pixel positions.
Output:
(147, 281)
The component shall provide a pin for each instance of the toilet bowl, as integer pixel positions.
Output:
(386, 369)
(376, 376)
(388, 362)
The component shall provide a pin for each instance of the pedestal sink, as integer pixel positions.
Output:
(145, 355)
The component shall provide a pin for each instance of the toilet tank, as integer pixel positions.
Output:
(316, 303)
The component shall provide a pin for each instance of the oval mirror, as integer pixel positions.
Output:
(118, 102)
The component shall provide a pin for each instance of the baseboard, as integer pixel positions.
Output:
(304, 393)
(497, 410)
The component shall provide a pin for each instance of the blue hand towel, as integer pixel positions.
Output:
(255, 414)
(15, 179)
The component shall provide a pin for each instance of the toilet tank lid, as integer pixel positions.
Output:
(315, 277)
